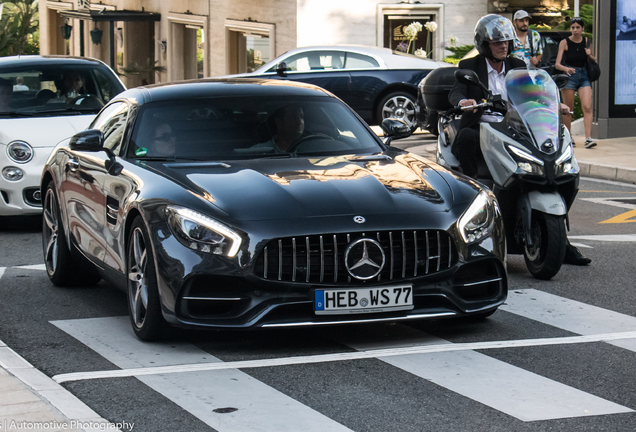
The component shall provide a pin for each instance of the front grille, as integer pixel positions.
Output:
(319, 259)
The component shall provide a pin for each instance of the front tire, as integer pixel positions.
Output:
(61, 267)
(400, 105)
(144, 304)
(545, 258)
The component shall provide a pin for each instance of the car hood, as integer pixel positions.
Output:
(42, 131)
(269, 189)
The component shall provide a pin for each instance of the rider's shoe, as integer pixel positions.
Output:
(575, 257)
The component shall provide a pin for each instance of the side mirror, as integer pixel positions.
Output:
(467, 76)
(561, 80)
(395, 128)
(89, 140)
(281, 69)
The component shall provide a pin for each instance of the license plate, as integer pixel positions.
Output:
(363, 300)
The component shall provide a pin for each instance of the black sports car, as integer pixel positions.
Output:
(242, 203)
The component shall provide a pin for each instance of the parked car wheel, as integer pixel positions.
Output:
(143, 296)
(398, 105)
(61, 267)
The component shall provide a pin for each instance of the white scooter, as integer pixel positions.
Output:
(528, 161)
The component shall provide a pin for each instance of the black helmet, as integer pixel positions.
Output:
(493, 28)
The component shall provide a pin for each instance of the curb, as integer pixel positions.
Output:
(52, 394)
(607, 172)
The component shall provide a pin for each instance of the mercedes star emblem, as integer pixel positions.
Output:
(359, 219)
(364, 259)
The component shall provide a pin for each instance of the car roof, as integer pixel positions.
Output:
(389, 58)
(28, 60)
(220, 87)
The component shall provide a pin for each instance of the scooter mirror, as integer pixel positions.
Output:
(561, 80)
(466, 76)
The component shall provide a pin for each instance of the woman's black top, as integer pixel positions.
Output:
(575, 55)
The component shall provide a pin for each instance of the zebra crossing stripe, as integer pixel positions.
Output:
(512, 390)
(259, 407)
(570, 315)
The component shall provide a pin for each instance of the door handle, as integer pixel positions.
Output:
(73, 164)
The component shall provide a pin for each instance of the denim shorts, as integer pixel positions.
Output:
(578, 79)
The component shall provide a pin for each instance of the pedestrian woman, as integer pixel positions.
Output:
(572, 59)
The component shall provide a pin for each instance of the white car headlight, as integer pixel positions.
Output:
(478, 220)
(20, 151)
(202, 233)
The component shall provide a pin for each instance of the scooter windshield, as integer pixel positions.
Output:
(533, 102)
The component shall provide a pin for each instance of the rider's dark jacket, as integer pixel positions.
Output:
(463, 91)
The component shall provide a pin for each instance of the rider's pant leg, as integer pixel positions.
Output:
(468, 150)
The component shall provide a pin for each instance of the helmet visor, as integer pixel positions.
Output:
(496, 29)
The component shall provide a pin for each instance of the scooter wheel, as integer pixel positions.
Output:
(545, 257)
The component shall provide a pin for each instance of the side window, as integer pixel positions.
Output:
(106, 90)
(112, 123)
(360, 61)
(315, 60)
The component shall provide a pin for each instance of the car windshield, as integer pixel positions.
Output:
(249, 127)
(534, 105)
(56, 89)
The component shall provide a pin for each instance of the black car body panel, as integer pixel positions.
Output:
(296, 215)
(361, 86)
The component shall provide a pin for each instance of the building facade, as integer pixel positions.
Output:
(165, 40)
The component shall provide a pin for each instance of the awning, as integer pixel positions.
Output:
(111, 15)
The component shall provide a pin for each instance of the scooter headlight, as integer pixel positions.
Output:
(478, 220)
(526, 163)
(566, 163)
(202, 233)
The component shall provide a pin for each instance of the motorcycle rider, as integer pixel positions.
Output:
(494, 36)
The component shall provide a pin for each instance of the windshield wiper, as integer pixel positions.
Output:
(16, 114)
(157, 158)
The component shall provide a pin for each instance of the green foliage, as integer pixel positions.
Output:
(586, 12)
(143, 71)
(19, 28)
(459, 51)
(451, 60)
(578, 111)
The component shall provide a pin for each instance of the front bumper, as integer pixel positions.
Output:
(203, 290)
(23, 197)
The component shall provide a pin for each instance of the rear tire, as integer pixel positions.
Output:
(144, 304)
(62, 266)
(400, 105)
(544, 260)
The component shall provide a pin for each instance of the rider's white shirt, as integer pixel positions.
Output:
(496, 84)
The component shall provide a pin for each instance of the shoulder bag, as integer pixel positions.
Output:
(593, 69)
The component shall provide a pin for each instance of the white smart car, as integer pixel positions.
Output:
(44, 100)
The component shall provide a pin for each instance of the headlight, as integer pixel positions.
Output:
(478, 220)
(20, 152)
(526, 163)
(565, 163)
(12, 173)
(202, 233)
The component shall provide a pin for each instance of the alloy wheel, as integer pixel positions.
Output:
(400, 107)
(51, 232)
(137, 279)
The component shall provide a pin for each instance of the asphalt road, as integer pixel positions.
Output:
(564, 376)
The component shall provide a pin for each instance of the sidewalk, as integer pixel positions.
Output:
(30, 400)
(611, 159)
